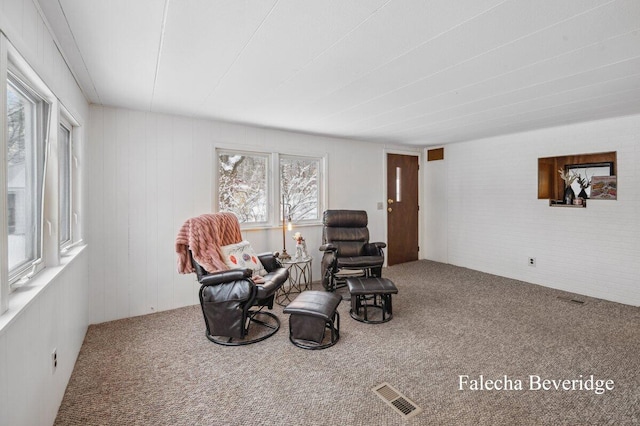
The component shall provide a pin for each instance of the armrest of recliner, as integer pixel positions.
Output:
(222, 277)
(328, 247)
(269, 261)
(373, 249)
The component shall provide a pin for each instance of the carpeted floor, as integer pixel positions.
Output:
(448, 322)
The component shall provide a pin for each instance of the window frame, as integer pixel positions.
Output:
(274, 186)
(14, 64)
(66, 124)
(42, 109)
(268, 187)
(320, 183)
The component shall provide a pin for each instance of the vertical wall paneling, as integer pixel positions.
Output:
(151, 196)
(121, 235)
(112, 307)
(4, 377)
(202, 146)
(18, 359)
(156, 172)
(185, 190)
(137, 208)
(97, 211)
(49, 329)
(165, 169)
(56, 319)
(57, 315)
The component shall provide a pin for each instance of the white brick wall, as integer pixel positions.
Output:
(494, 220)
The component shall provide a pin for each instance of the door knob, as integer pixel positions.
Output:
(389, 209)
(390, 201)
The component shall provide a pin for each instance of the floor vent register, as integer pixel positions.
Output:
(400, 403)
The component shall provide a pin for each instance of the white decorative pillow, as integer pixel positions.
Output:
(241, 255)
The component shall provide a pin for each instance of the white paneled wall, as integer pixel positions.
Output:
(495, 221)
(57, 316)
(151, 172)
(30, 389)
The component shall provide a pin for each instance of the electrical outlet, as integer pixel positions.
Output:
(54, 360)
(532, 261)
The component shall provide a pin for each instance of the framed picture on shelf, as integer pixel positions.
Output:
(585, 173)
(604, 188)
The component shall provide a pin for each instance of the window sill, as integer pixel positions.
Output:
(23, 296)
(271, 227)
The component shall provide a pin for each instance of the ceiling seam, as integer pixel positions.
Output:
(576, 68)
(409, 50)
(308, 64)
(244, 47)
(494, 77)
(160, 47)
(73, 37)
(450, 67)
(524, 102)
(457, 117)
(560, 122)
(456, 127)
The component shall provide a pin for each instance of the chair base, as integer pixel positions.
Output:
(375, 290)
(338, 279)
(359, 310)
(268, 326)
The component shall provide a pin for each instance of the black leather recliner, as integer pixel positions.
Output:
(229, 298)
(346, 246)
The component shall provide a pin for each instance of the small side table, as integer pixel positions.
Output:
(300, 279)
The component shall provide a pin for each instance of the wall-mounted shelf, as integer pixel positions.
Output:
(560, 203)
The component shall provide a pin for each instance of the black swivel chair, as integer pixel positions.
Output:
(346, 247)
(231, 301)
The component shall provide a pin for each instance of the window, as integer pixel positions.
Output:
(38, 182)
(26, 124)
(299, 178)
(65, 153)
(242, 186)
(245, 185)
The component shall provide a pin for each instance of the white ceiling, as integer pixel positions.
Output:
(420, 72)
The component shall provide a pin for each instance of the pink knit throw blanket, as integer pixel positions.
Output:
(204, 235)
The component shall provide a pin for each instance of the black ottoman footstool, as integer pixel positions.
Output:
(311, 313)
(376, 290)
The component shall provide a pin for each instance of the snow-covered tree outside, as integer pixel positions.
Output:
(243, 181)
(243, 189)
(19, 187)
(299, 185)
